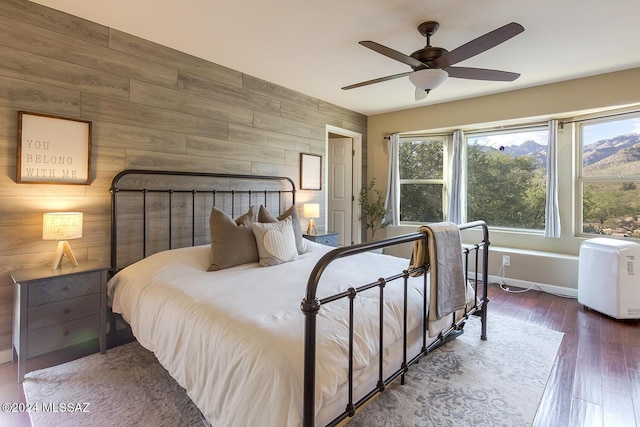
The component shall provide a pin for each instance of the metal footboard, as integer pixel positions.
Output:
(474, 255)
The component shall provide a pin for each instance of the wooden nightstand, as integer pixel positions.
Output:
(54, 309)
(328, 238)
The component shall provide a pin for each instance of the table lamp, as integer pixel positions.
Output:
(311, 211)
(62, 226)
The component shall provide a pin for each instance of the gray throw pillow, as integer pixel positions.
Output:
(232, 242)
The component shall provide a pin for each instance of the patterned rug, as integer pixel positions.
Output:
(467, 382)
(126, 386)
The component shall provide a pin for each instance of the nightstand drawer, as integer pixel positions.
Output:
(62, 335)
(64, 287)
(43, 315)
(55, 309)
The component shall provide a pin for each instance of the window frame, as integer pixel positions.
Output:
(505, 130)
(446, 140)
(581, 179)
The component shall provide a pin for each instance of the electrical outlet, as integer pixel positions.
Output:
(506, 260)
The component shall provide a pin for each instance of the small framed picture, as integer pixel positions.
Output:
(310, 172)
(53, 149)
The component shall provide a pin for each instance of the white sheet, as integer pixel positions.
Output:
(234, 338)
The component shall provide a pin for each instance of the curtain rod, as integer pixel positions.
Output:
(560, 123)
(509, 128)
(471, 131)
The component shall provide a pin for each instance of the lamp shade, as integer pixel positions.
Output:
(311, 210)
(62, 225)
(429, 78)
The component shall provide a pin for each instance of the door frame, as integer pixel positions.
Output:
(356, 178)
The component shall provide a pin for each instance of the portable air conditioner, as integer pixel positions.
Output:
(608, 277)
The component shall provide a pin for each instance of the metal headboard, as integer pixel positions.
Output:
(172, 207)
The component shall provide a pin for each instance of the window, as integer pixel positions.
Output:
(506, 177)
(421, 162)
(609, 176)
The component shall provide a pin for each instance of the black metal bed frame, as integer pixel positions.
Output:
(166, 188)
(311, 305)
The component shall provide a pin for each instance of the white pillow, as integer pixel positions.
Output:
(265, 216)
(276, 242)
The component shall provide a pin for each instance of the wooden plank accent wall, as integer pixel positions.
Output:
(152, 107)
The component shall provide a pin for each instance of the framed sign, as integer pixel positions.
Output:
(53, 149)
(310, 172)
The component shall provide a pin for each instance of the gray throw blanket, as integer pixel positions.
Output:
(443, 256)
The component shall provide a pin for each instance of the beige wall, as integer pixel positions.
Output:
(558, 100)
(151, 108)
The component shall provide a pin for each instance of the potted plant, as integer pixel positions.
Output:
(373, 210)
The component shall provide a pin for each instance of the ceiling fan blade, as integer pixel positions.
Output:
(378, 80)
(481, 74)
(421, 94)
(479, 45)
(393, 54)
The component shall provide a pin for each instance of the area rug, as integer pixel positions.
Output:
(467, 382)
(126, 386)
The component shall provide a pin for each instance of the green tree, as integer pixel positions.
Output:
(421, 160)
(605, 206)
(504, 190)
(421, 203)
(536, 199)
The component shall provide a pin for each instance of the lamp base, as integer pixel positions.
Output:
(63, 249)
(311, 228)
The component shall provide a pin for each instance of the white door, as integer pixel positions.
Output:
(340, 193)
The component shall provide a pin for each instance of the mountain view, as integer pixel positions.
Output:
(529, 148)
(609, 207)
(615, 156)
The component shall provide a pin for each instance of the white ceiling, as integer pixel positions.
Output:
(312, 46)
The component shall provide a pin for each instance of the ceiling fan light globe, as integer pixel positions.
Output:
(428, 79)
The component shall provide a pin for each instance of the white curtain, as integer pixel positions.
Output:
(552, 212)
(457, 180)
(392, 202)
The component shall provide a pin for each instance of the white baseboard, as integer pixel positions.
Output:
(523, 284)
(6, 355)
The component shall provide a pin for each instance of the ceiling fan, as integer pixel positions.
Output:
(432, 65)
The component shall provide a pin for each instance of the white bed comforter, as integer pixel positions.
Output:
(234, 338)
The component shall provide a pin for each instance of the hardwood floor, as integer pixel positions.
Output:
(595, 382)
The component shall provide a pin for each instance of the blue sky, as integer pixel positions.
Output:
(606, 130)
(507, 139)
